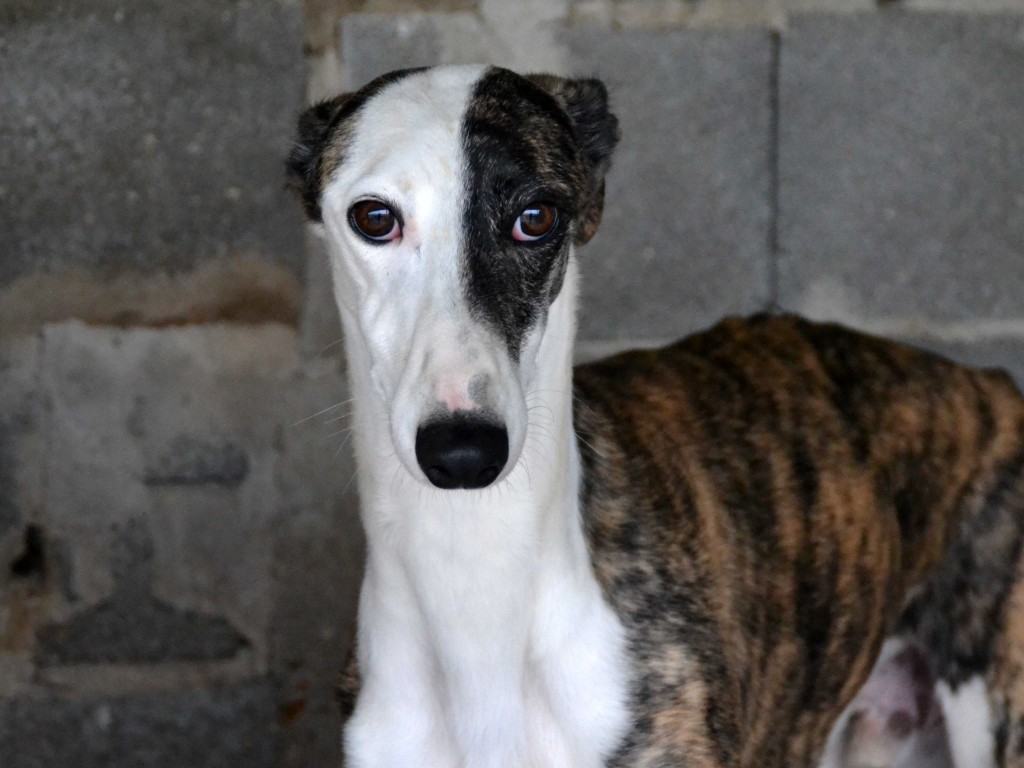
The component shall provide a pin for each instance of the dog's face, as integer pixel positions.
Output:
(451, 198)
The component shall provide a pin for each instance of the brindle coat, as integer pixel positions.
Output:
(761, 499)
(811, 480)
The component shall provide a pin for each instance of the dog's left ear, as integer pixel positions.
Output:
(586, 102)
(304, 165)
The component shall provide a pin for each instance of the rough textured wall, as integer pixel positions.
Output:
(179, 551)
(178, 547)
(140, 175)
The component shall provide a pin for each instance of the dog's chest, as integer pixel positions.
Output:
(495, 669)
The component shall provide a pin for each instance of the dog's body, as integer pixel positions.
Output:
(781, 490)
(706, 574)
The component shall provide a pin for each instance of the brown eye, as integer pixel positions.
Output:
(374, 220)
(536, 220)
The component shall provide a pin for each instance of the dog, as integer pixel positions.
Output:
(686, 557)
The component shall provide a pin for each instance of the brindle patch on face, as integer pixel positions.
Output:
(525, 144)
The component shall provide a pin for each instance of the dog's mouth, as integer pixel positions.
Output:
(462, 450)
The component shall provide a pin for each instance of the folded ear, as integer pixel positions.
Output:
(585, 101)
(305, 162)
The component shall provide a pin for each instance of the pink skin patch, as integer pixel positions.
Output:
(895, 719)
(455, 397)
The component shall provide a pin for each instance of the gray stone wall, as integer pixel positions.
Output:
(179, 549)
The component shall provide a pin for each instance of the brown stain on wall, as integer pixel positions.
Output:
(243, 289)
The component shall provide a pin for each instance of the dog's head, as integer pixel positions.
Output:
(451, 198)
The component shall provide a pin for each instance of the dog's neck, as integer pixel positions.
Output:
(484, 603)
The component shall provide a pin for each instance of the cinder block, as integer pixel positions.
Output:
(222, 728)
(147, 137)
(685, 233)
(177, 432)
(372, 45)
(521, 36)
(902, 167)
(966, 6)
(739, 12)
(829, 6)
(191, 461)
(132, 625)
(195, 512)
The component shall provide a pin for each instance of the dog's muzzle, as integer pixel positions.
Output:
(462, 451)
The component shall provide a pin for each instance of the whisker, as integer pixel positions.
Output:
(543, 428)
(556, 391)
(339, 432)
(586, 443)
(325, 410)
(353, 477)
(332, 344)
(339, 418)
(540, 446)
(343, 444)
(395, 478)
(526, 469)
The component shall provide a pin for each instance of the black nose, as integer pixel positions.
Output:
(461, 451)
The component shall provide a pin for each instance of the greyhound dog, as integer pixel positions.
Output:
(688, 557)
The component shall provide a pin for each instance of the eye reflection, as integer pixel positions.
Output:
(374, 220)
(536, 221)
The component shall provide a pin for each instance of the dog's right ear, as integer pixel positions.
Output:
(305, 163)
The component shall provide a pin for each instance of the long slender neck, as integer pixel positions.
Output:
(483, 598)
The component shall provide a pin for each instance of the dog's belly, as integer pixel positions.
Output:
(895, 720)
(759, 501)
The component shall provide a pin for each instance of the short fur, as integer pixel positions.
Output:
(811, 480)
(694, 554)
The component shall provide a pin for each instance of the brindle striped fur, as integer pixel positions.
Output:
(760, 501)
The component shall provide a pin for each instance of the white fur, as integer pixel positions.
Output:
(833, 754)
(968, 723)
(484, 639)
(927, 748)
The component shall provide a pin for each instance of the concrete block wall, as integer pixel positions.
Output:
(179, 551)
(179, 546)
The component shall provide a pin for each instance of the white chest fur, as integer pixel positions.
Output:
(488, 644)
(484, 638)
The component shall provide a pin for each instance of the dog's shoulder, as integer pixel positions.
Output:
(791, 371)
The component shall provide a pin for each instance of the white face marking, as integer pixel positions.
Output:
(427, 353)
(484, 638)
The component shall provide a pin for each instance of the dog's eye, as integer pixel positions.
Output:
(536, 220)
(374, 220)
